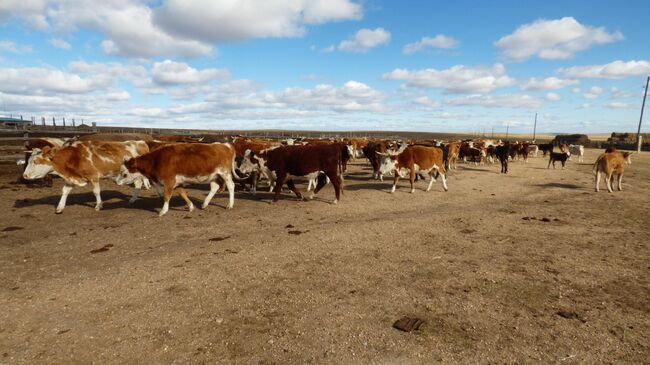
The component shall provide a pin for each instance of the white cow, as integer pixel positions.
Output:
(577, 150)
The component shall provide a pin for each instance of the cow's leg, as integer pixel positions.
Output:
(98, 197)
(412, 175)
(230, 184)
(64, 196)
(395, 180)
(432, 179)
(255, 178)
(214, 187)
(444, 180)
(279, 181)
(336, 182)
(159, 190)
(167, 195)
(597, 181)
(312, 182)
(293, 188)
(620, 181)
(136, 191)
(609, 182)
(181, 191)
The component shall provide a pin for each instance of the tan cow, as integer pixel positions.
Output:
(82, 162)
(453, 149)
(174, 165)
(414, 160)
(611, 163)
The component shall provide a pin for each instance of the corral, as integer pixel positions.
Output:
(529, 267)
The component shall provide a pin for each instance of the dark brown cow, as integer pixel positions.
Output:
(307, 160)
(371, 152)
(414, 160)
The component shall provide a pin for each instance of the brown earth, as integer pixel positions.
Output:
(532, 267)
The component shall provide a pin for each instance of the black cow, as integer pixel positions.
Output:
(557, 156)
(503, 154)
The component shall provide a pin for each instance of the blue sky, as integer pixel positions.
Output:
(328, 64)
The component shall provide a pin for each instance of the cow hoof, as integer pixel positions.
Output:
(98, 207)
(58, 211)
(228, 207)
(335, 201)
(205, 206)
(412, 191)
(190, 208)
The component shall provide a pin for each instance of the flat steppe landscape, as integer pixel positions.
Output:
(529, 267)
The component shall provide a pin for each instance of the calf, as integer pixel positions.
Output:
(558, 156)
(503, 154)
(453, 150)
(546, 148)
(578, 150)
(174, 165)
(611, 163)
(81, 162)
(412, 160)
(306, 160)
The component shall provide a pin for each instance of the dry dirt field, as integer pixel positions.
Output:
(309, 282)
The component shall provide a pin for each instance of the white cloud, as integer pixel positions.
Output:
(32, 12)
(174, 73)
(118, 96)
(553, 39)
(593, 93)
(553, 97)
(614, 70)
(364, 40)
(227, 20)
(439, 41)
(426, 102)
(457, 79)
(549, 83)
(60, 43)
(9, 46)
(618, 105)
(35, 80)
(499, 101)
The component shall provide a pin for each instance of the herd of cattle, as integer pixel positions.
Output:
(171, 162)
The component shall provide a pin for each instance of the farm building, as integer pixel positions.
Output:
(14, 123)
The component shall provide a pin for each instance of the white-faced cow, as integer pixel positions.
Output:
(577, 150)
(174, 165)
(82, 162)
(414, 160)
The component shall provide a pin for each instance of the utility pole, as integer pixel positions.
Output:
(535, 128)
(638, 132)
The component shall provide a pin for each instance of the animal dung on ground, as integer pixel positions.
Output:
(408, 324)
(102, 249)
(296, 232)
(12, 228)
(217, 239)
(289, 226)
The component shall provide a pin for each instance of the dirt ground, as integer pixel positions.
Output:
(311, 282)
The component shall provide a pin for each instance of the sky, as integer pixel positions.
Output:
(440, 66)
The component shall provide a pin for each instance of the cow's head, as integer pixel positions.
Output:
(388, 162)
(250, 163)
(627, 156)
(129, 173)
(39, 163)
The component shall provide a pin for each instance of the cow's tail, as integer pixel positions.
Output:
(596, 167)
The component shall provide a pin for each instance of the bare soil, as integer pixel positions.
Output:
(532, 267)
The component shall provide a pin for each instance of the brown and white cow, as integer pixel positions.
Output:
(306, 160)
(413, 160)
(82, 162)
(453, 150)
(174, 165)
(611, 163)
